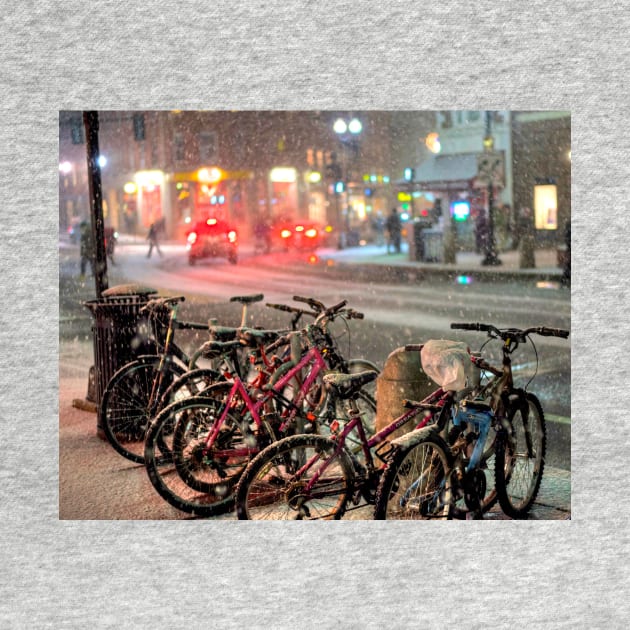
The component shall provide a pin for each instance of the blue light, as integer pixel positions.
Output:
(464, 280)
(460, 210)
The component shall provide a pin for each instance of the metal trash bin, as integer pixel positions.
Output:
(116, 333)
(433, 245)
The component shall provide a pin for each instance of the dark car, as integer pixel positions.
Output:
(212, 238)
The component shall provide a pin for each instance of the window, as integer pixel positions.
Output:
(208, 147)
(546, 207)
(179, 147)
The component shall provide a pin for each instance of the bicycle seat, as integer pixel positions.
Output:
(255, 336)
(223, 333)
(214, 349)
(248, 299)
(348, 385)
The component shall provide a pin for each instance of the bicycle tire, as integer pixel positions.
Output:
(519, 469)
(269, 489)
(415, 483)
(198, 484)
(124, 412)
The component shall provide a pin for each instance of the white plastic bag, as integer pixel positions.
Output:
(447, 363)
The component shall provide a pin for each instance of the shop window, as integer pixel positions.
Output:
(546, 207)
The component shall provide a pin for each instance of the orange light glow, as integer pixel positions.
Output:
(211, 221)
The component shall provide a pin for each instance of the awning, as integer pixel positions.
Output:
(447, 171)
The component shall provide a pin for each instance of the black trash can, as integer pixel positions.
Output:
(120, 333)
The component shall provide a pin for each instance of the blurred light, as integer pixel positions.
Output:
(355, 126)
(102, 161)
(285, 233)
(386, 179)
(339, 187)
(542, 284)
(232, 236)
(362, 242)
(314, 177)
(340, 126)
(366, 178)
(408, 174)
(464, 280)
(209, 175)
(282, 174)
(313, 259)
(328, 229)
(330, 262)
(213, 200)
(460, 210)
(130, 188)
(187, 220)
(65, 167)
(211, 221)
(488, 143)
(311, 233)
(373, 178)
(179, 185)
(403, 196)
(432, 142)
(569, 154)
(192, 237)
(299, 228)
(145, 178)
(221, 198)
(404, 216)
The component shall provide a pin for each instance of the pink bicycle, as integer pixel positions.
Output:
(215, 435)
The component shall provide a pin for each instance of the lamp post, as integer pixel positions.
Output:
(348, 133)
(491, 258)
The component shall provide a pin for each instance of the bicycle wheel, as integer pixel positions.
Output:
(197, 480)
(520, 457)
(274, 485)
(189, 384)
(126, 409)
(416, 482)
(367, 407)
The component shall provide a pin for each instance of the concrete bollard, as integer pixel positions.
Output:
(402, 377)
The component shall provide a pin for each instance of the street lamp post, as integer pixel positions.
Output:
(347, 132)
(491, 258)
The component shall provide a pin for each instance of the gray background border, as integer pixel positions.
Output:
(276, 55)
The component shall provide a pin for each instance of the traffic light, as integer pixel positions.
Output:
(339, 187)
(408, 174)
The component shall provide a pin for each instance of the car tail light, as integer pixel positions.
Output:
(311, 233)
(232, 236)
(192, 237)
(285, 233)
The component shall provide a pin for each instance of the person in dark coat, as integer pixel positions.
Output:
(566, 268)
(86, 247)
(152, 237)
(394, 229)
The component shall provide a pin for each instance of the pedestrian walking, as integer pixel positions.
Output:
(394, 229)
(152, 237)
(86, 248)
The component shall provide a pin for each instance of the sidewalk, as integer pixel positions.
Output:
(366, 260)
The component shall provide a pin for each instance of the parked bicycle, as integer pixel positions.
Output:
(216, 434)
(139, 389)
(438, 472)
(318, 477)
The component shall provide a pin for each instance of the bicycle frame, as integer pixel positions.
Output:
(312, 357)
(437, 397)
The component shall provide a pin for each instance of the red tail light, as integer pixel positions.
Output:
(311, 233)
(285, 233)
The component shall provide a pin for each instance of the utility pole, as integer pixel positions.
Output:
(491, 258)
(90, 121)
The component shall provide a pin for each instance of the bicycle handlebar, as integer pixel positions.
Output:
(290, 309)
(508, 333)
(316, 305)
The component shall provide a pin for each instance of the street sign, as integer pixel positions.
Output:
(491, 168)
